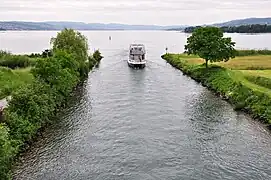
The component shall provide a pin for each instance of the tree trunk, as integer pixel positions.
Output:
(206, 63)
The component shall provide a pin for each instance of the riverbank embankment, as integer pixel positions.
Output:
(243, 81)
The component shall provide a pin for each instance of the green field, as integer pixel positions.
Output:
(253, 71)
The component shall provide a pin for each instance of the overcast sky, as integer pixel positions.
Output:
(160, 12)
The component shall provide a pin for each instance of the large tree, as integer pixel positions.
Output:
(209, 44)
(72, 42)
(75, 43)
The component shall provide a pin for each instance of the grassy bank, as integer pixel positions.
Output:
(34, 105)
(243, 81)
(15, 72)
(12, 80)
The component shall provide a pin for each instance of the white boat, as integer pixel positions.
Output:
(137, 55)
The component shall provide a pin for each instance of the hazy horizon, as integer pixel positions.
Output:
(140, 12)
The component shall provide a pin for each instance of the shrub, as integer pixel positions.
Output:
(97, 56)
(6, 152)
(15, 61)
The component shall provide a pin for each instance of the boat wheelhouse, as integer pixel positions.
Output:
(137, 57)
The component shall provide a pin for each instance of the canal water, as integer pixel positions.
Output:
(153, 123)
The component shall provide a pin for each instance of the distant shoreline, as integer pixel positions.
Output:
(90, 30)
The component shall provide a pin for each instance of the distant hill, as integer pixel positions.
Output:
(54, 25)
(246, 21)
(59, 25)
(20, 25)
(111, 26)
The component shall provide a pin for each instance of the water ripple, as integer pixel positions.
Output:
(153, 123)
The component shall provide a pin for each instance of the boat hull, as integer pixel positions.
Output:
(134, 65)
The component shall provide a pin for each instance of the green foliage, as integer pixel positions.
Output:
(72, 42)
(29, 109)
(252, 52)
(33, 105)
(94, 59)
(15, 61)
(91, 62)
(97, 56)
(11, 80)
(222, 81)
(209, 44)
(46, 53)
(6, 152)
(261, 81)
(4, 53)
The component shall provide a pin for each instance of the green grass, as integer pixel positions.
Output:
(248, 90)
(257, 79)
(251, 81)
(262, 73)
(10, 80)
(259, 62)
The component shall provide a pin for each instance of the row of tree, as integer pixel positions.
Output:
(34, 105)
(253, 28)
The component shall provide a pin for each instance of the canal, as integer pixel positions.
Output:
(153, 123)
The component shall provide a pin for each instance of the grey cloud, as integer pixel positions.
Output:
(134, 11)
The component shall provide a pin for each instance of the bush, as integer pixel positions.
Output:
(29, 109)
(22, 61)
(6, 152)
(97, 56)
(46, 53)
(15, 61)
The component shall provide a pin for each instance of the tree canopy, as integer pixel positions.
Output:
(72, 42)
(209, 44)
